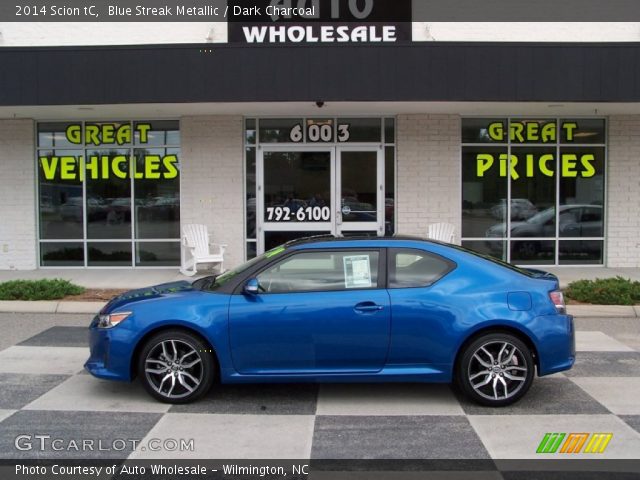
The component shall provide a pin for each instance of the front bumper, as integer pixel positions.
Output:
(107, 358)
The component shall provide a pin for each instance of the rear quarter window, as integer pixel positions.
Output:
(410, 268)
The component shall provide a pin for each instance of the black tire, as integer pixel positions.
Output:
(176, 344)
(500, 391)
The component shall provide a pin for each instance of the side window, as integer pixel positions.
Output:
(322, 271)
(415, 268)
(592, 215)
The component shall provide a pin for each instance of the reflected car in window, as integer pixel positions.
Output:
(521, 209)
(573, 221)
(321, 310)
(73, 209)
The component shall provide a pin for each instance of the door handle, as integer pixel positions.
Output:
(366, 307)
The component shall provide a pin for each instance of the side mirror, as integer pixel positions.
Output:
(252, 287)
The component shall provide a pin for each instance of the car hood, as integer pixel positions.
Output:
(147, 293)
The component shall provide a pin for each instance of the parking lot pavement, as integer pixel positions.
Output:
(44, 390)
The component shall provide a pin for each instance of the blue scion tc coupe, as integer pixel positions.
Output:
(342, 310)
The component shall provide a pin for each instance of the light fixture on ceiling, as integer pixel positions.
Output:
(209, 37)
(427, 33)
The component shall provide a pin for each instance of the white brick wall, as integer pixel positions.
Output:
(17, 196)
(429, 172)
(526, 31)
(623, 222)
(212, 179)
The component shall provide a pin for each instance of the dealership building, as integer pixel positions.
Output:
(526, 137)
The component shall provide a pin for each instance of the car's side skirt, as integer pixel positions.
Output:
(394, 373)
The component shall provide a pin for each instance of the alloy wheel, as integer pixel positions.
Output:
(174, 368)
(498, 370)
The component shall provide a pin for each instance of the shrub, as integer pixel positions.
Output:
(605, 291)
(46, 289)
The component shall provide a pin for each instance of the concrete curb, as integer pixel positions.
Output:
(603, 311)
(606, 311)
(45, 306)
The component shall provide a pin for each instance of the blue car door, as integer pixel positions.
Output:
(317, 312)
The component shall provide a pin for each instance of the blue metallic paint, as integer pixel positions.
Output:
(319, 337)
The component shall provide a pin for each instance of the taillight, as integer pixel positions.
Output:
(558, 300)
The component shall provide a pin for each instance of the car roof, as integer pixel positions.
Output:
(369, 239)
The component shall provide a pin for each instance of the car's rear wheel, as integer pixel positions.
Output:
(175, 366)
(496, 369)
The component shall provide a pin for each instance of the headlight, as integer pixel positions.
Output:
(113, 319)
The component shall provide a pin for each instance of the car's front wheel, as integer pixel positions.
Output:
(496, 369)
(175, 366)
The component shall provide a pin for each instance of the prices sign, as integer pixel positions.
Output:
(531, 164)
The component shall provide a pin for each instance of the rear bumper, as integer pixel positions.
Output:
(557, 346)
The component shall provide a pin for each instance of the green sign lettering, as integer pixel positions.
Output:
(104, 167)
(530, 131)
(107, 133)
(571, 165)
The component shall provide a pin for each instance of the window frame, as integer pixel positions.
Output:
(85, 241)
(382, 271)
(393, 251)
(559, 144)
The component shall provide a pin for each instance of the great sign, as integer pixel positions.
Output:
(106, 166)
(571, 164)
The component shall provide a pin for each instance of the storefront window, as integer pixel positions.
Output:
(111, 187)
(536, 194)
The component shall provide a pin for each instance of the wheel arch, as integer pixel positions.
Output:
(133, 364)
(501, 328)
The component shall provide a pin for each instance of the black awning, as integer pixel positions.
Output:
(433, 71)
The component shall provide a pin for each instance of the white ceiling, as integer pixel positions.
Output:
(98, 112)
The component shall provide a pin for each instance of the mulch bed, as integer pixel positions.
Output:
(95, 295)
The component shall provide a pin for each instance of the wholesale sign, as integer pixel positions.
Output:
(319, 21)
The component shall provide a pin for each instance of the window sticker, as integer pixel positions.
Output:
(357, 273)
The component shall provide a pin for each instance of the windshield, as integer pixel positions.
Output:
(543, 216)
(220, 280)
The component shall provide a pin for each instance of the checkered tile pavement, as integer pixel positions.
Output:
(43, 389)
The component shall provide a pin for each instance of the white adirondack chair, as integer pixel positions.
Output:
(444, 232)
(196, 248)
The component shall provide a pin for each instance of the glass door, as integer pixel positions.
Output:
(360, 192)
(306, 191)
(295, 194)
